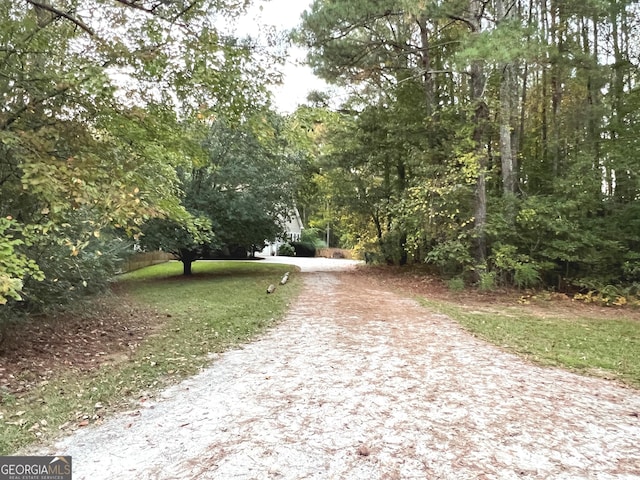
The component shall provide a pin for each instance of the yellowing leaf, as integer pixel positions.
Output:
(620, 301)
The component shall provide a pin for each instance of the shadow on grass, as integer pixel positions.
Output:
(204, 270)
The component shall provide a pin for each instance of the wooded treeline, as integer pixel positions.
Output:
(497, 140)
(494, 140)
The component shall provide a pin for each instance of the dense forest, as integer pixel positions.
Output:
(497, 141)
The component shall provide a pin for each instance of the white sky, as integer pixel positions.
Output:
(298, 79)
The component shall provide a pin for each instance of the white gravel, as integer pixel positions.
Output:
(359, 383)
(315, 264)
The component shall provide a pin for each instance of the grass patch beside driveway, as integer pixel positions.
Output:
(607, 348)
(221, 306)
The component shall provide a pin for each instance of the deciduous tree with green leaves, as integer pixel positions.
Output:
(241, 194)
(92, 128)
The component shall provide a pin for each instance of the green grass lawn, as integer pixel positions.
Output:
(222, 305)
(596, 346)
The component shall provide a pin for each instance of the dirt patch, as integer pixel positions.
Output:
(37, 349)
(361, 383)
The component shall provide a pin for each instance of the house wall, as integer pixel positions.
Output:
(294, 230)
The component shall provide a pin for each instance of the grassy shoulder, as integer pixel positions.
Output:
(554, 335)
(223, 305)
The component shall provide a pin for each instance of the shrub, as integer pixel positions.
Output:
(452, 257)
(609, 295)
(487, 281)
(286, 250)
(631, 267)
(526, 275)
(312, 235)
(367, 250)
(69, 278)
(516, 268)
(304, 249)
(456, 284)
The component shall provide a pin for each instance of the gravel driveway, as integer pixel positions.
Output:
(359, 383)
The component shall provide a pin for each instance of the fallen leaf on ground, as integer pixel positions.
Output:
(363, 451)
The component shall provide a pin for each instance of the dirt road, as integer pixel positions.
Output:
(359, 383)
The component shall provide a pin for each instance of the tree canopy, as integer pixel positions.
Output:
(495, 141)
(241, 195)
(101, 105)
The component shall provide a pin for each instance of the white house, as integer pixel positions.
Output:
(293, 229)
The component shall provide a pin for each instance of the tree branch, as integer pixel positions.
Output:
(62, 14)
(134, 4)
(468, 22)
(153, 10)
(184, 11)
(38, 101)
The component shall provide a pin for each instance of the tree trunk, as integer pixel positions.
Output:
(376, 220)
(481, 216)
(506, 146)
(404, 255)
(186, 266)
(187, 257)
(507, 103)
(558, 27)
(481, 115)
(523, 113)
(425, 60)
(523, 95)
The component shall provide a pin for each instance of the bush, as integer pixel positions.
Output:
(631, 267)
(526, 275)
(456, 284)
(515, 268)
(487, 281)
(312, 235)
(69, 278)
(367, 250)
(304, 249)
(452, 257)
(286, 250)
